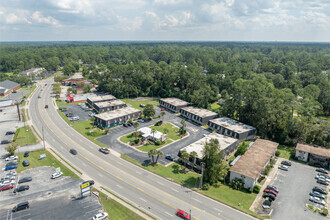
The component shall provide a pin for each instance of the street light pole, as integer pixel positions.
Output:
(201, 179)
(43, 137)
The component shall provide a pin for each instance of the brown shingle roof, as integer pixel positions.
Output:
(255, 158)
(324, 152)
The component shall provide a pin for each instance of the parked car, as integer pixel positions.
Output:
(320, 190)
(11, 167)
(10, 132)
(26, 154)
(317, 194)
(169, 157)
(11, 173)
(182, 214)
(8, 177)
(21, 206)
(13, 157)
(273, 188)
(64, 110)
(56, 175)
(25, 179)
(283, 167)
(270, 191)
(6, 187)
(323, 182)
(266, 204)
(141, 120)
(323, 178)
(100, 216)
(73, 151)
(104, 150)
(7, 182)
(26, 163)
(322, 170)
(270, 196)
(69, 114)
(6, 141)
(286, 163)
(163, 109)
(11, 163)
(39, 96)
(21, 188)
(317, 200)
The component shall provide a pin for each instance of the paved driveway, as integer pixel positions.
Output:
(77, 110)
(196, 132)
(294, 186)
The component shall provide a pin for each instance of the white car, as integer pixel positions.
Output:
(11, 173)
(317, 200)
(101, 215)
(56, 175)
(13, 157)
(141, 120)
(7, 182)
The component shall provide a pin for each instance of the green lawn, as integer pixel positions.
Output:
(58, 73)
(136, 104)
(171, 128)
(24, 88)
(25, 136)
(215, 106)
(147, 147)
(117, 210)
(64, 103)
(50, 160)
(23, 115)
(241, 200)
(285, 151)
(172, 172)
(127, 138)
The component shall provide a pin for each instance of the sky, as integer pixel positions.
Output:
(165, 20)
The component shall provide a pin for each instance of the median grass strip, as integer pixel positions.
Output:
(66, 162)
(172, 172)
(23, 115)
(136, 103)
(117, 210)
(64, 103)
(50, 160)
(25, 136)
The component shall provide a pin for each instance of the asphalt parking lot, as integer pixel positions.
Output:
(196, 132)
(294, 186)
(8, 122)
(16, 96)
(49, 198)
(78, 111)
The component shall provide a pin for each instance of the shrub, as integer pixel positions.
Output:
(311, 164)
(136, 141)
(237, 183)
(256, 189)
(324, 211)
(158, 123)
(267, 169)
(241, 149)
(205, 186)
(277, 153)
(250, 190)
(261, 179)
(158, 143)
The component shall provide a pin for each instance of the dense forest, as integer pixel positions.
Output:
(281, 89)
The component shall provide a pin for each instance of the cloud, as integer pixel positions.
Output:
(38, 17)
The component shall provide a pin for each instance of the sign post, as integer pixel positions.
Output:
(85, 189)
(42, 156)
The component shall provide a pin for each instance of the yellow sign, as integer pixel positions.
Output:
(84, 185)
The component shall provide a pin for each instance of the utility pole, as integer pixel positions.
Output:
(43, 137)
(201, 179)
(189, 214)
(19, 114)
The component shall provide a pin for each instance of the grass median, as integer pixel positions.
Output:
(50, 160)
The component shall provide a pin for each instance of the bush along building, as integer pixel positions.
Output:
(173, 104)
(116, 117)
(232, 128)
(198, 115)
(250, 166)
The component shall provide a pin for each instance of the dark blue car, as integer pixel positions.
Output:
(11, 167)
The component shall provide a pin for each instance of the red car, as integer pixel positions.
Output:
(6, 187)
(163, 109)
(182, 214)
(270, 191)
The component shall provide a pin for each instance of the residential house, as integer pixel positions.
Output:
(315, 154)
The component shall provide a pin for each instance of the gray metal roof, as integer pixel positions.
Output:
(8, 84)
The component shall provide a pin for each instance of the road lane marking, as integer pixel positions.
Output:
(169, 214)
(217, 209)
(84, 164)
(197, 200)
(143, 199)
(119, 186)
(174, 189)
(160, 183)
(132, 185)
(138, 172)
(119, 163)
(100, 174)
